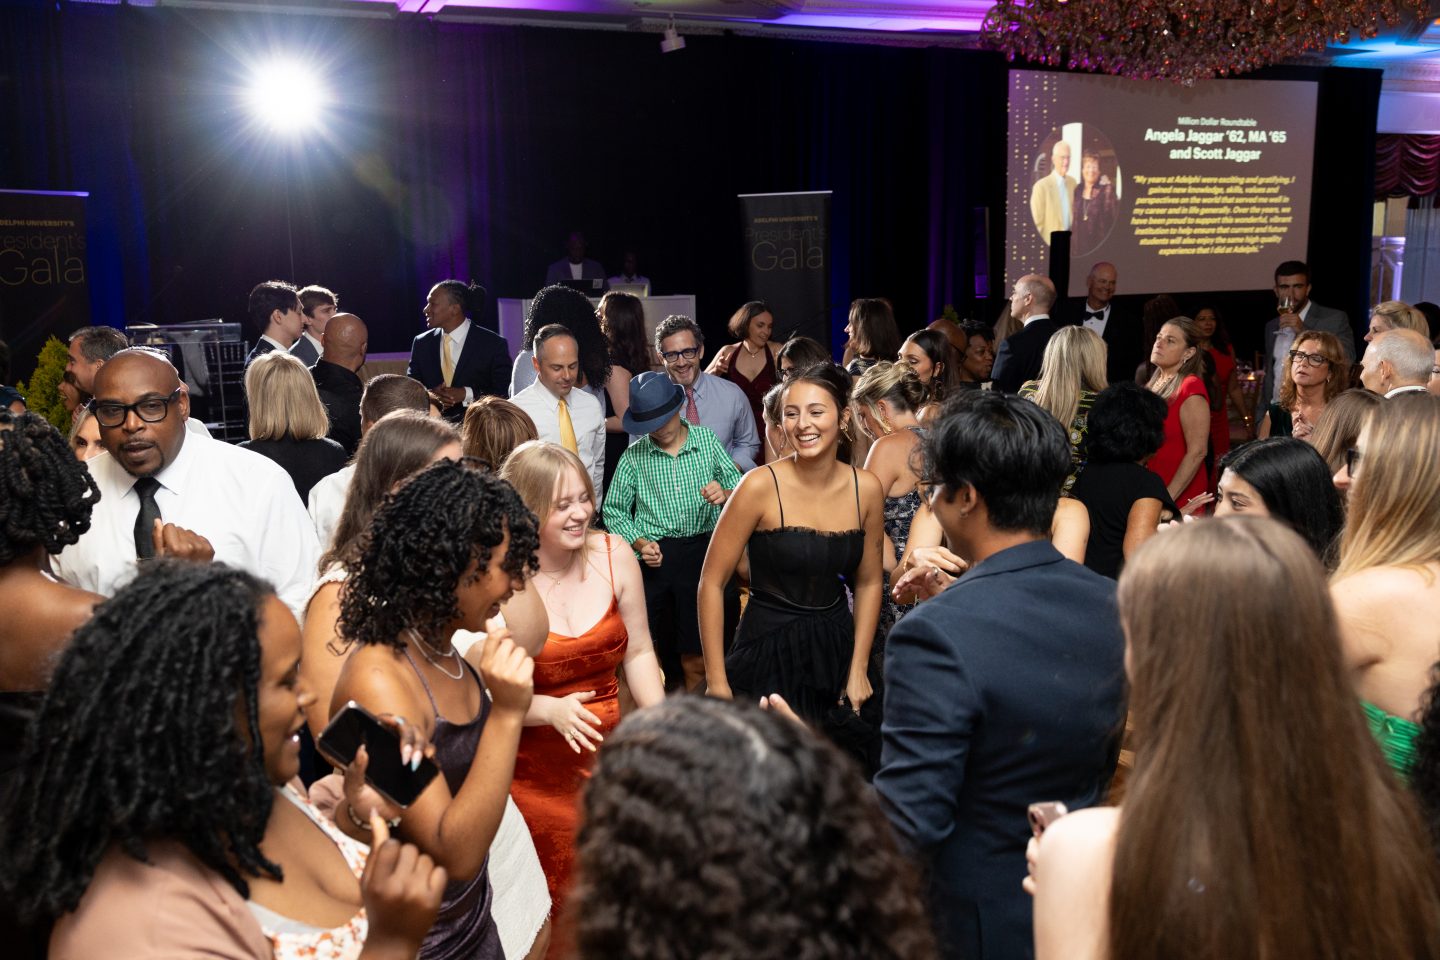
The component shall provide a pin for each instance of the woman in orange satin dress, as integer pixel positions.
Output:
(592, 590)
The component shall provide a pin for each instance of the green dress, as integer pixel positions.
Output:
(1396, 737)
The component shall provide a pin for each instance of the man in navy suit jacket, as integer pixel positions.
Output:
(480, 359)
(1003, 690)
(1019, 356)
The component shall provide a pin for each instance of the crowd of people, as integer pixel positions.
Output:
(983, 642)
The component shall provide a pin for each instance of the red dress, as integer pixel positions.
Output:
(1220, 419)
(1167, 459)
(548, 774)
(756, 389)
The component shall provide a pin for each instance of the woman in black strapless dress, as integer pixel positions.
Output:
(810, 525)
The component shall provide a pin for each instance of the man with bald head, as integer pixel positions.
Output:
(336, 376)
(167, 492)
(1397, 361)
(1019, 356)
(1124, 340)
(1053, 196)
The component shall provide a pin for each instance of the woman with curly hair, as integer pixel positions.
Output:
(1387, 585)
(443, 552)
(721, 830)
(155, 820)
(569, 308)
(45, 500)
(1216, 851)
(1316, 374)
(622, 321)
(594, 596)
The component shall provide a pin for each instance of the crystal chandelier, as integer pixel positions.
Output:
(1181, 40)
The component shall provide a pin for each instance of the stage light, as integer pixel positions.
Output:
(286, 96)
(673, 41)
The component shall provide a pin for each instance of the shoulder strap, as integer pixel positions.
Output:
(425, 683)
(610, 561)
(855, 476)
(777, 493)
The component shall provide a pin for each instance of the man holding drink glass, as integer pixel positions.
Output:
(1298, 312)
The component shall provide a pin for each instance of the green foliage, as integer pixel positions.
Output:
(42, 392)
(950, 313)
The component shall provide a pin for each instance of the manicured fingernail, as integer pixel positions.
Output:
(404, 753)
(415, 762)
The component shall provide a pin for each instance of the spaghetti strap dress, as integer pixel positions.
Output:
(464, 930)
(548, 774)
(797, 635)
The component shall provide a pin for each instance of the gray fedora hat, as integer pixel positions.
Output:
(654, 398)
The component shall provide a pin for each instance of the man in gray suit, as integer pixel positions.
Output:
(1292, 282)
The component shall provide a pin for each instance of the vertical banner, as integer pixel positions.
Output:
(43, 288)
(787, 259)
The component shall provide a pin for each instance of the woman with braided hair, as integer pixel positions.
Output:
(442, 553)
(45, 501)
(720, 830)
(153, 820)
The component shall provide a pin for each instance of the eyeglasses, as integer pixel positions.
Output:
(151, 410)
(1353, 456)
(787, 372)
(670, 356)
(1314, 359)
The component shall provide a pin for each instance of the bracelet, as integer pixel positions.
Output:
(365, 824)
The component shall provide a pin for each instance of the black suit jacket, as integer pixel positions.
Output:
(1124, 339)
(986, 712)
(1019, 357)
(483, 364)
(340, 390)
(262, 347)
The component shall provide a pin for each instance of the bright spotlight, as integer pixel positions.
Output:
(286, 96)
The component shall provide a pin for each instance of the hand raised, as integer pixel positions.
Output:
(508, 670)
(172, 541)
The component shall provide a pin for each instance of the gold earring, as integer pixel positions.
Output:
(885, 425)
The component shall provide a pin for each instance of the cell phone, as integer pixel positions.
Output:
(392, 779)
(1043, 814)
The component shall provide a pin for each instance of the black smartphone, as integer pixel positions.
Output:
(395, 781)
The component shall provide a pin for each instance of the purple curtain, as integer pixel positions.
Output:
(1407, 164)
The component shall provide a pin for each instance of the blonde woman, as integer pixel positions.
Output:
(1387, 585)
(288, 423)
(1072, 373)
(1393, 314)
(1180, 461)
(594, 597)
(1317, 373)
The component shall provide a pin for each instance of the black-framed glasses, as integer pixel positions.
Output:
(1314, 359)
(151, 409)
(689, 353)
(1353, 456)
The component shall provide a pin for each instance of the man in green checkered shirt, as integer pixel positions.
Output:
(664, 500)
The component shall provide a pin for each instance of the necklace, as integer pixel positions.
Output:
(556, 576)
(746, 345)
(425, 652)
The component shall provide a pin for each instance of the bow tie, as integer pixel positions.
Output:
(1094, 314)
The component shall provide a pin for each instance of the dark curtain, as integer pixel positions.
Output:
(1407, 165)
(458, 150)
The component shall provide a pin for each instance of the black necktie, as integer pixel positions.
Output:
(145, 488)
(1094, 314)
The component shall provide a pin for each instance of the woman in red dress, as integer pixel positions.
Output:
(1215, 339)
(1180, 461)
(750, 362)
(591, 587)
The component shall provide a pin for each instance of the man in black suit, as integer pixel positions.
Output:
(456, 358)
(1124, 340)
(274, 310)
(575, 266)
(336, 376)
(1007, 688)
(1019, 356)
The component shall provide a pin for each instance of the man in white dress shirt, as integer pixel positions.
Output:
(1397, 361)
(562, 414)
(317, 306)
(166, 491)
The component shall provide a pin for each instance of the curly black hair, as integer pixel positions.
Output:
(46, 495)
(142, 739)
(569, 308)
(420, 544)
(716, 829)
(1425, 775)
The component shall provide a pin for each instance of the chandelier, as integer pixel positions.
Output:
(1181, 40)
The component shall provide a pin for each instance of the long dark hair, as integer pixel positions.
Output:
(149, 731)
(873, 330)
(622, 320)
(570, 309)
(46, 495)
(1243, 714)
(415, 553)
(940, 352)
(1295, 483)
(758, 839)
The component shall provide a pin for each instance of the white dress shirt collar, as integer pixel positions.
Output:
(314, 342)
(457, 339)
(1412, 388)
(1029, 320)
(273, 342)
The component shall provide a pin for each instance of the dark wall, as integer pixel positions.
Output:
(470, 151)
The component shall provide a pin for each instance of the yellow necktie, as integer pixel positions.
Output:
(567, 429)
(447, 362)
